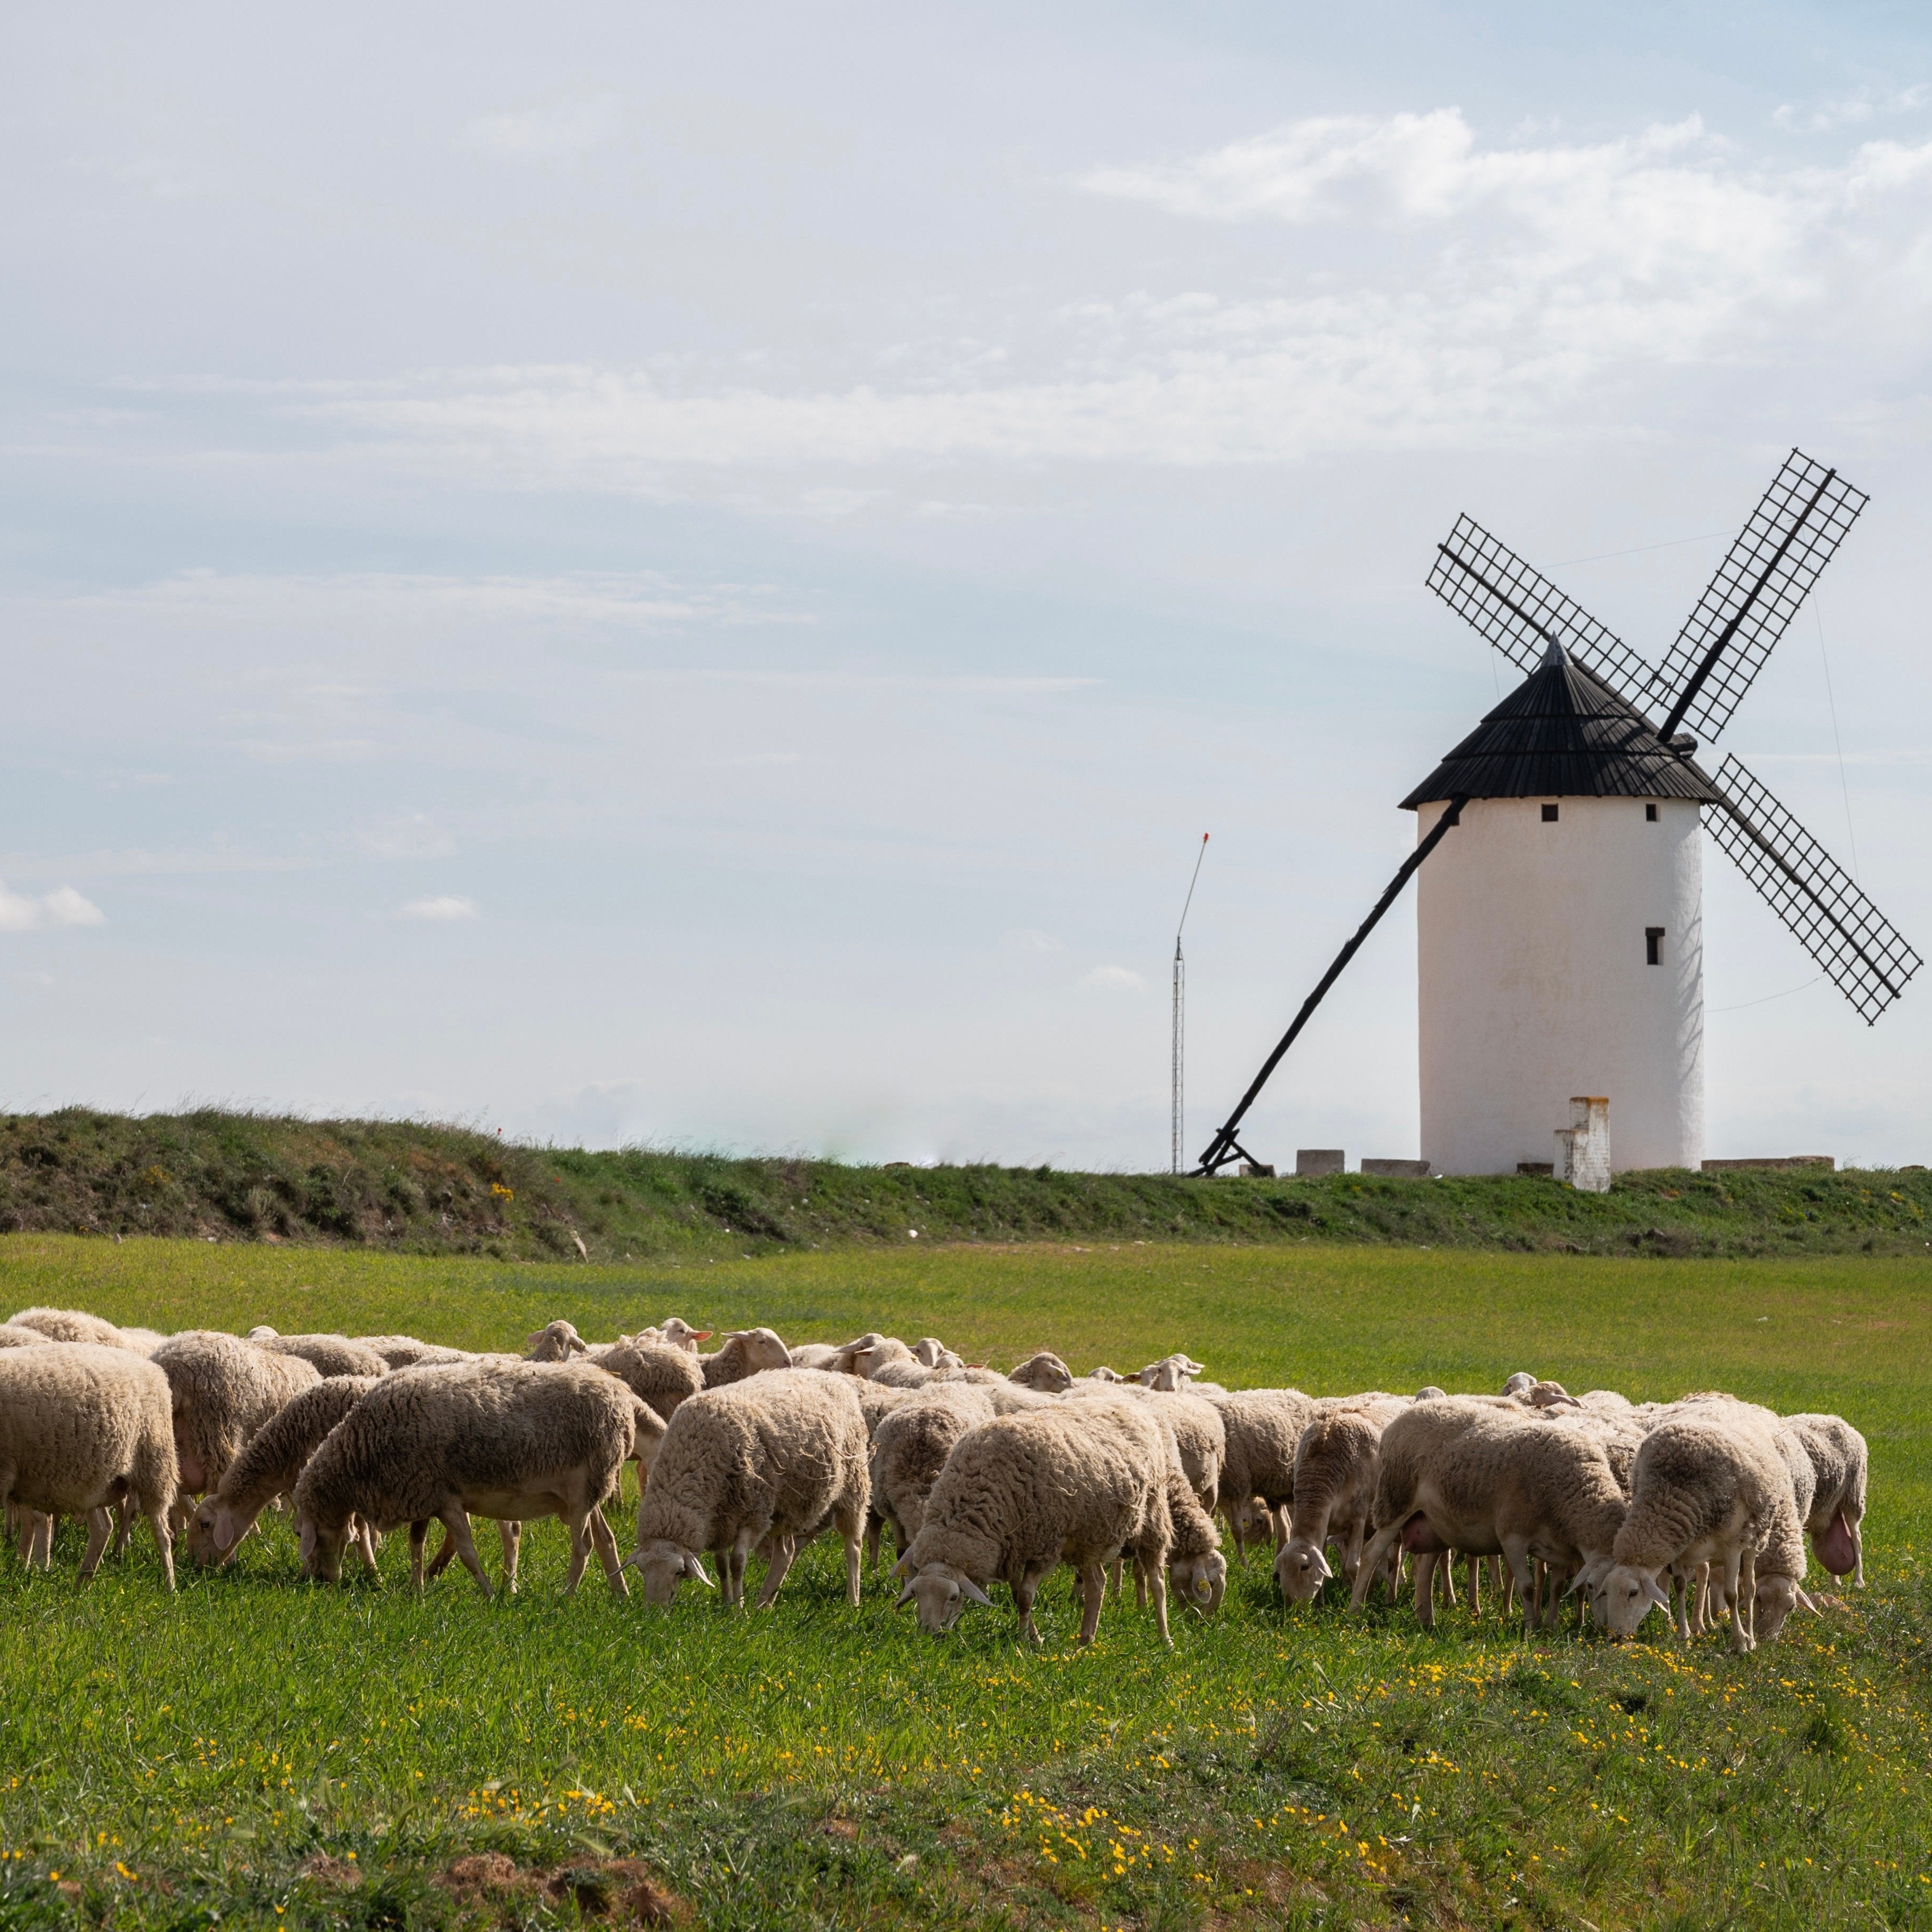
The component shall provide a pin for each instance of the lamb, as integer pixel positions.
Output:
(69, 1324)
(1335, 1466)
(555, 1342)
(331, 1354)
(83, 1426)
(1263, 1430)
(1080, 1483)
(1705, 1489)
(909, 1450)
(511, 1440)
(1043, 1371)
(224, 1389)
(748, 1351)
(1458, 1474)
(269, 1467)
(774, 1455)
(1837, 1456)
(662, 1376)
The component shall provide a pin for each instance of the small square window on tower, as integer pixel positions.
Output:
(1653, 946)
(1549, 815)
(1650, 814)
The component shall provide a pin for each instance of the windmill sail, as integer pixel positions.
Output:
(1862, 953)
(1800, 521)
(1521, 613)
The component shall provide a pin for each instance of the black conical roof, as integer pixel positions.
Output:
(1561, 734)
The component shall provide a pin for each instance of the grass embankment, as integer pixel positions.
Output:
(416, 1188)
(276, 1753)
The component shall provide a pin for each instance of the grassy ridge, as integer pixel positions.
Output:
(347, 1755)
(412, 1187)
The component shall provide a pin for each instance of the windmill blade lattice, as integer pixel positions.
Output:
(1862, 952)
(1520, 611)
(1791, 535)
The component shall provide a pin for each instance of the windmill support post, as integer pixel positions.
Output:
(1225, 1148)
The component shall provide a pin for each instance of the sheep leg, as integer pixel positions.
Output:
(1157, 1587)
(1027, 1588)
(1741, 1573)
(510, 1535)
(1116, 1570)
(579, 1552)
(1475, 1588)
(1446, 1571)
(99, 1527)
(847, 1524)
(1857, 1549)
(365, 1541)
(1279, 1522)
(164, 1542)
(1092, 1580)
(607, 1551)
(785, 1551)
(124, 1526)
(874, 1527)
(740, 1550)
(1425, 1588)
(1386, 1541)
(456, 1523)
(419, 1533)
(1523, 1583)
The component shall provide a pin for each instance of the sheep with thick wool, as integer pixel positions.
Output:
(406, 1351)
(512, 1440)
(1458, 1473)
(1705, 1489)
(73, 1324)
(661, 1375)
(775, 1457)
(1335, 1463)
(1263, 1429)
(1200, 1436)
(270, 1466)
(1043, 1372)
(909, 1448)
(224, 1389)
(84, 1428)
(1838, 1456)
(13, 1336)
(331, 1354)
(749, 1351)
(1077, 1482)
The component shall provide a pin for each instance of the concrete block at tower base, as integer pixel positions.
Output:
(1583, 1147)
(1396, 1170)
(1313, 1161)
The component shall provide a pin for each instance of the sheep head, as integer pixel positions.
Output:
(1301, 1568)
(941, 1593)
(1624, 1597)
(1519, 1383)
(1104, 1374)
(1778, 1596)
(929, 1351)
(677, 1333)
(322, 1546)
(663, 1564)
(555, 1342)
(1200, 1582)
(1045, 1371)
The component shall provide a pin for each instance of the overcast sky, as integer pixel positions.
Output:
(696, 574)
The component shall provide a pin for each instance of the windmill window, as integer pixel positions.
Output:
(1650, 814)
(1549, 815)
(1653, 946)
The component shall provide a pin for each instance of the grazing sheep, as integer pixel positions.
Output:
(910, 1448)
(1196, 1570)
(774, 1455)
(83, 1427)
(660, 1375)
(1044, 1372)
(69, 1324)
(1335, 1466)
(874, 1356)
(224, 1389)
(1459, 1475)
(12, 1336)
(269, 1467)
(512, 1440)
(405, 1351)
(1200, 1436)
(331, 1354)
(1080, 1483)
(748, 1352)
(1263, 1430)
(555, 1342)
(1837, 1455)
(1705, 1489)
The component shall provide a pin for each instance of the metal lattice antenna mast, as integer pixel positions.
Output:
(1178, 1133)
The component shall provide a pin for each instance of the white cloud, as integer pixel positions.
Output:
(1114, 979)
(562, 129)
(1029, 939)
(21, 912)
(447, 906)
(1861, 104)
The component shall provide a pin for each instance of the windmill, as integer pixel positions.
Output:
(1561, 939)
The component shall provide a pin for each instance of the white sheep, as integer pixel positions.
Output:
(1042, 1371)
(909, 1448)
(1263, 1428)
(1080, 1483)
(661, 1376)
(772, 1456)
(512, 1440)
(69, 1324)
(331, 1354)
(405, 1351)
(1838, 1459)
(83, 1428)
(1335, 1466)
(747, 1352)
(557, 1341)
(224, 1389)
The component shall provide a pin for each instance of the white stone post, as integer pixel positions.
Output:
(1583, 1147)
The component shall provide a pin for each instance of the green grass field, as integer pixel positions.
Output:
(256, 1751)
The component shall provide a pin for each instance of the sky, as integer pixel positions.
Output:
(695, 576)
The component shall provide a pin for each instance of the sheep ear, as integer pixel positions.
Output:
(308, 1541)
(1809, 1603)
(971, 1589)
(693, 1567)
(903, 1568)
(1656, 1592)
(699, 1335)
(905, 1597)
(531, 1341)
(1321, 1568)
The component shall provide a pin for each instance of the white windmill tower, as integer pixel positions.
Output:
(1561, 934)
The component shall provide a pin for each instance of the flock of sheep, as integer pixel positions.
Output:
(1700, 1506)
